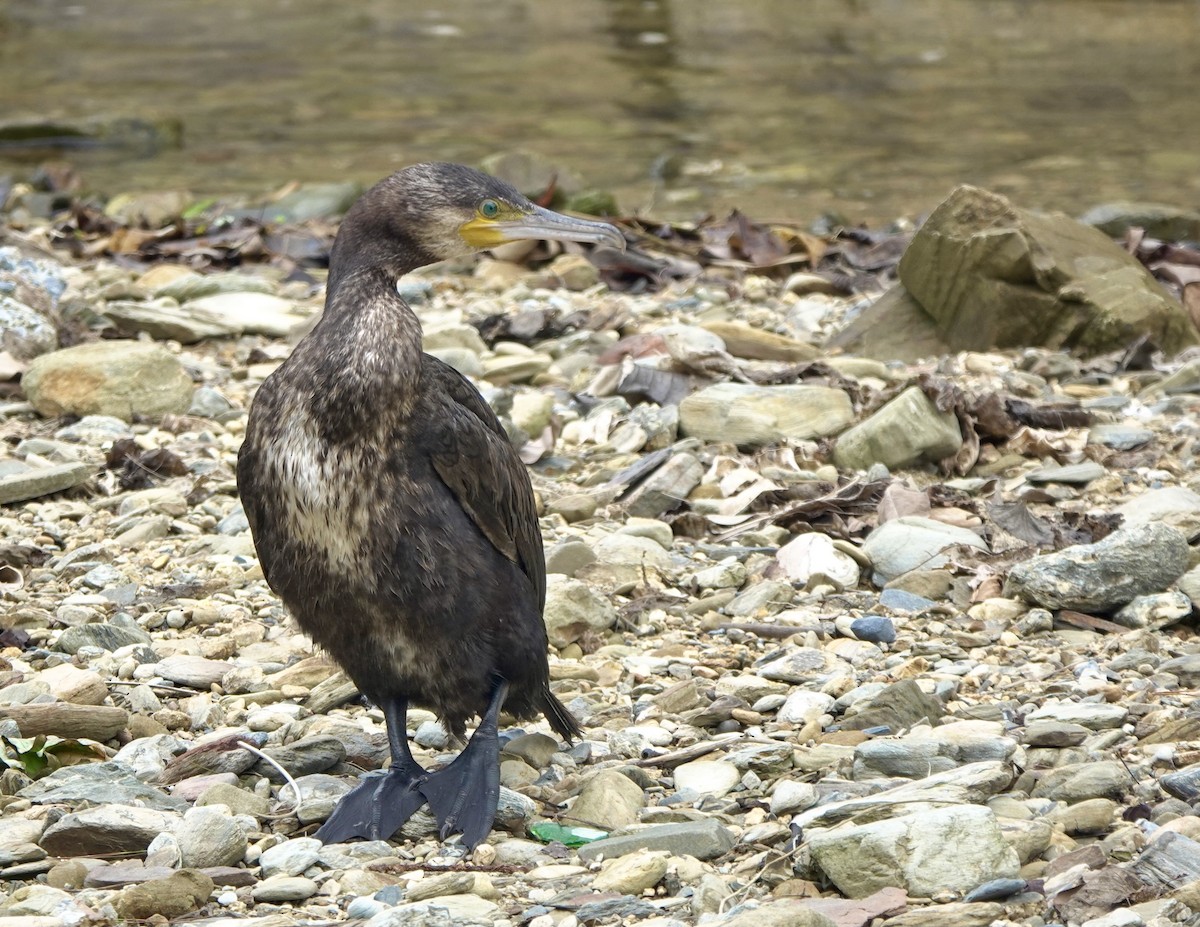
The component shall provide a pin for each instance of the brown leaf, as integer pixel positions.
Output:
(138, 468)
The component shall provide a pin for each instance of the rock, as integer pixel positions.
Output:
(874, 628)
(452, 883)
(813, 555)
(631, 874)
(192, 671)
(302, 758)
(784, 913)
(742, 340)
(175, 896)
(574, 271)
(756, 415)
(705, 839)
(900, 705)
(1177, 506)
(893, 328)
(118, 378)
(609, 801)
(668, 486)
(34, 482)
(209, 837)
(249, 313)
(912, 542)
(1082, 781)
(534, 749)
(236, 799)
(706, 777)
(284, 888)
(1095, 716)
(632, 550)
(18, 841)
(940, 850)
(791, 795)
(1154, 611)
(1099, 578)
(106, 829)
(569, 556)
(1157, 220)
(292, 857)
(573, 507)
(310, 201)
(906, 431)
(105, 636)
(72, 684)
(993, 275)
(804, 707)
(573, 608)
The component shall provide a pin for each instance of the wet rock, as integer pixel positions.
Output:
(906, 431)
(757, 415)
(990, 274)
(946, 849)
(911, 543)
(1101, 577)
(706, 839)
(174, 896)
(118, 378)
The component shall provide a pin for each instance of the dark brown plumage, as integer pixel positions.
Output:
(389, 511)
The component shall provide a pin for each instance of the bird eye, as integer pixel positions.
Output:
(489, 209)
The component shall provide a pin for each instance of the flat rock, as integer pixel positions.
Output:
(913, 542)
(706, 839)
(1101, 577)
(178, 894)
(106, 829)
(752, 416)
(35, 482)
(284, 888)
(906, 431)
(118, 378)
(782, 913)
(99, 783)
(633, 873)
(19, 840)
(945, 849)
(291, 857)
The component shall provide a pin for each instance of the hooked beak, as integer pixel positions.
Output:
(543, 225)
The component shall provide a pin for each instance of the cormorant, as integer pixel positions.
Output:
(389, 510)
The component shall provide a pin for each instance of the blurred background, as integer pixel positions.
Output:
(789, 110)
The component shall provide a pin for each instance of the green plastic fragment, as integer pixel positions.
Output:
(548, 832)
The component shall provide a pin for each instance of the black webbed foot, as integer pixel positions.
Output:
(463, 796)
(382, 801)
(375, 808)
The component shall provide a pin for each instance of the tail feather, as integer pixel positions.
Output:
(560, 719)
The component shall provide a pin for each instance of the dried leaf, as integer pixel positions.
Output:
(1017, 520)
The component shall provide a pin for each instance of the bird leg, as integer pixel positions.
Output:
(380, 804)
(463, 796)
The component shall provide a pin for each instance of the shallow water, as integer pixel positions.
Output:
(788, 109)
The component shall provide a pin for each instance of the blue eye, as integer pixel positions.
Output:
(489, 209)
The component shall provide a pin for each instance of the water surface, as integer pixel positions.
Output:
(788, 109)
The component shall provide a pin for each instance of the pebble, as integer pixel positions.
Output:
(754, 644)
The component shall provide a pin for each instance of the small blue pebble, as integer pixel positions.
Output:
(874, 628)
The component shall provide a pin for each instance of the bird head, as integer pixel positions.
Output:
(437, 211)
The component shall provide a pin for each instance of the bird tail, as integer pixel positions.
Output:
(560, 719)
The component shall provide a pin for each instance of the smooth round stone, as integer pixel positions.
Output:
(290, 858)
(284, 888)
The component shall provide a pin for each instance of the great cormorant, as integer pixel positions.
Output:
(389, 510)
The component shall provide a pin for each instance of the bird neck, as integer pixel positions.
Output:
(368, 346)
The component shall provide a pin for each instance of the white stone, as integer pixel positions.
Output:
(706, 777)
(814, 553)
(803, 706)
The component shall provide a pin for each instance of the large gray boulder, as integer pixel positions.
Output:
(982, 273)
